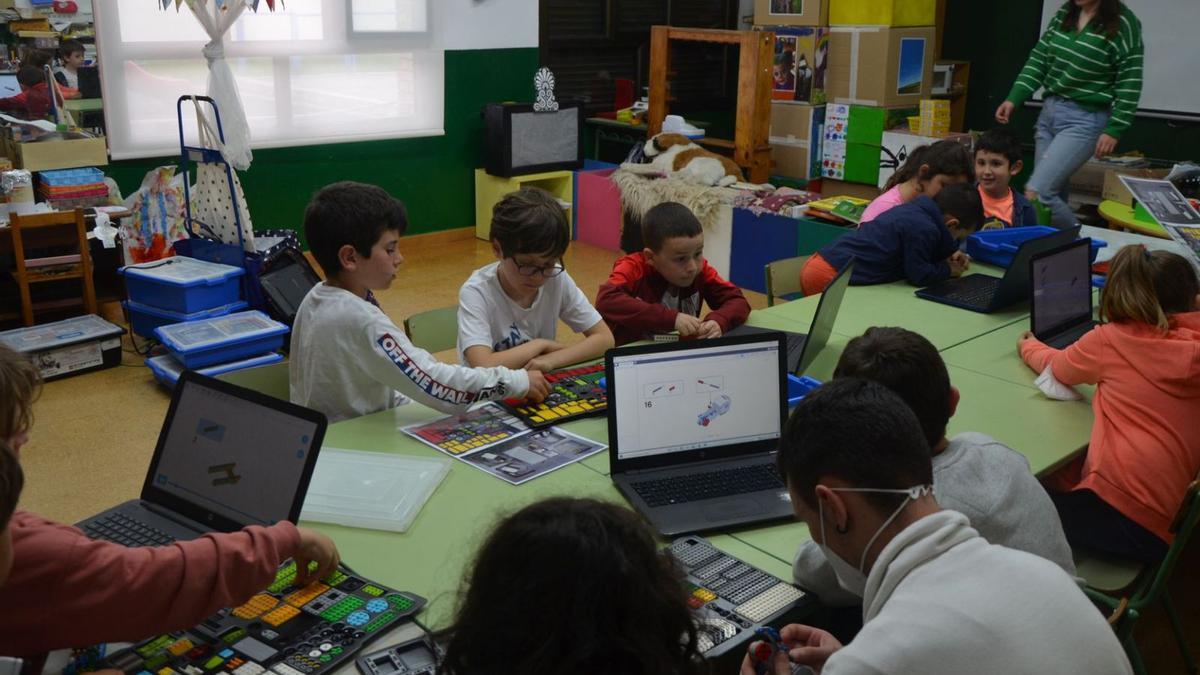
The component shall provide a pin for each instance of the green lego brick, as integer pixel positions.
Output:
(343, 607)
(380, 621)
(372, 590)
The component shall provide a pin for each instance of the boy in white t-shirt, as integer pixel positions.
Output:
(347, 357)
(508, 311)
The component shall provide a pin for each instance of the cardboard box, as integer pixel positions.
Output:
(883, 12)
(797, 133)
(791, 12)
(837, 188)
(799, 65)
(896, 145)
(852, 139)
(1116, 191)
(878, 66)
(47, 155)
(1089, 178)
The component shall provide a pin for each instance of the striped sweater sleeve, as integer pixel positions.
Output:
(1127, 90)
(1032, 76)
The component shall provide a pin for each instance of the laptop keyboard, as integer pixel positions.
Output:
(976, 289)
(709, 485)
(121, 529)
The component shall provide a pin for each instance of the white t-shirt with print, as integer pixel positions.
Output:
(488, 317)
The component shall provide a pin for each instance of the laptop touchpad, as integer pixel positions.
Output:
(736, 507)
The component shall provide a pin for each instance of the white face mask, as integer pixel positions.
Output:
(851, 578)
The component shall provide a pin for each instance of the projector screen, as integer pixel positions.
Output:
(1169, 31)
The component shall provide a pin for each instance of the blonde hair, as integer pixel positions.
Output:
(1148, 287)
(20, 385)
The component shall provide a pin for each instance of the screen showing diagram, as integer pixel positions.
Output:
(696, 398)
(233, 457)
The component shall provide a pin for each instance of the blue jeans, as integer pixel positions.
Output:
(1065, 137)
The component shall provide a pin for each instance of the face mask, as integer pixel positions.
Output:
(851, 578)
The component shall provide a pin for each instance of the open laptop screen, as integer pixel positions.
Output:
(237, 455)
(1062, 287)
(679, 400)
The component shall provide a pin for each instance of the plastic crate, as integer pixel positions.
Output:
(68, 347)
(167, 370)
(223, 339)
(999, 247)
(144, 319)
(183, 285)
(799, 387)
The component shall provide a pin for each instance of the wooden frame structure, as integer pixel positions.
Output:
(756, 49)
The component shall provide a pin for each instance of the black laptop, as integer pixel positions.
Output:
(227, 457)
(802, 349)
(89, 82)
(693, 429)
(982, 293)
(1060, 302)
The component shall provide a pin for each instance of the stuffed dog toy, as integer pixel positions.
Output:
(677, 154)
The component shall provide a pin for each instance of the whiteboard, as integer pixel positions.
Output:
(1171, 33)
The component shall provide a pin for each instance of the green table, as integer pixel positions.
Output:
(83, 104)
(1120, 217)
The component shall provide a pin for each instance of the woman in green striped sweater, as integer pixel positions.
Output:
(1090, 62)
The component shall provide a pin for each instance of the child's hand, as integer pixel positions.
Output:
(710, 329)
(539, 388)
(318, 548)
(809, 646)
(687, 325)
(1025, 337)
(540, 363)
(958, 263)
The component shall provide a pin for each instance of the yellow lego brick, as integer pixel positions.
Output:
(255, 606)
(180, 647)
(301, 597)
(280, 615)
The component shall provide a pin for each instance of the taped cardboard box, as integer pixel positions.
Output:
(1116, 191)
(57, 154)
(799, 63)
(895, 146)
(884, 12)
(796, 139)
(791, 12)
(879, 66)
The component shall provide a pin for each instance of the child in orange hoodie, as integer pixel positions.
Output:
(1121, 496)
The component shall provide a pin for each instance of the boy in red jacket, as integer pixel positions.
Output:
(34, 100)
(660, 289)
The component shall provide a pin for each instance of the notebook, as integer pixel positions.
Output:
(1060, 301)
(693, 428)
(227, 457)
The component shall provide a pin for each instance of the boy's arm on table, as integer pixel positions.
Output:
(922, 264)
(729, 307)
(597, 340)
(617, 303)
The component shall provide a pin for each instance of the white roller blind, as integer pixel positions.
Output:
(316, 71)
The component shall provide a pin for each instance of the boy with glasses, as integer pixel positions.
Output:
(347, 357)
(508, 311)
(660, 288)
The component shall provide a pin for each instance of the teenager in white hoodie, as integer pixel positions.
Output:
(937, 598)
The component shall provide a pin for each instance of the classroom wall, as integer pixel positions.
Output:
(433, 176)
(996, 37)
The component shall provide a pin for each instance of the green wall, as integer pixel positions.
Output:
(996, 37)
(433, 176)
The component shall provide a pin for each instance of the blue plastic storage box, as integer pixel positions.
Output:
(183, 285)
(798, 388)
(144, 319)
(168, 371)
(227, 338)
(999, 247)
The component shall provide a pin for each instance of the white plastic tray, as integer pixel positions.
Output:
(375, 490)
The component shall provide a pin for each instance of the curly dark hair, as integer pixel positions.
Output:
(572, 587)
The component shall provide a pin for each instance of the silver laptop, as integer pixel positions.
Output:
(1061, 294)
(693, 429)
(227, 457)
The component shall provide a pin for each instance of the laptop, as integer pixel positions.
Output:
(693, 429)
(89, 82)
(982, 293)
(1061, 299)
(802, 349)
(8, 85)
(227, 457)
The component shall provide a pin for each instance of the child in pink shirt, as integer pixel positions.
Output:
(928, 169)
(1122, 495)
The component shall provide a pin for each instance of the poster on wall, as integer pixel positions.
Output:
(910, 74)
(799, 68)
(787, 7)
(785, 68)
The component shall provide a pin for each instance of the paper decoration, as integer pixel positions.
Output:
(543, 82)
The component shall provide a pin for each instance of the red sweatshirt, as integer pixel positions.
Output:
(637, 301)
(34, 102)
(67, 590)
(1145, 446)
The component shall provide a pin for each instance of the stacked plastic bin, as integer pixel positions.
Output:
(194, 309)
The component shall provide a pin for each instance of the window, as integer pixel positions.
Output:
(315, 71)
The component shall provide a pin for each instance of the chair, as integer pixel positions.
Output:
(1127, 588)
(43, 231)
(435, 330)
(783, 278)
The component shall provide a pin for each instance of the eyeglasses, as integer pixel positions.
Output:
(547, 272)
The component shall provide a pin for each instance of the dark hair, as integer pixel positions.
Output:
(962, 201)
(12, 480)
(1002, 141)
(1148, 286)
(20, 384)
(37, 58)
(948, 157)
(530, 221)
(1108, 16)
(908, 364)
(572, 587)
(68, 47)
(349, 213)
(856, 430)
(29, 76)
(667, 221)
